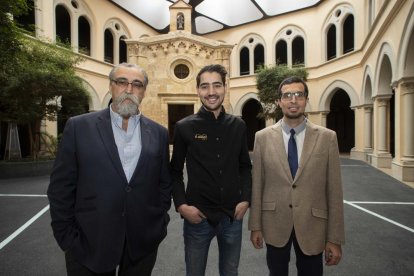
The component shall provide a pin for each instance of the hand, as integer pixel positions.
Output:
(191, 213)
(333, 253)
(257, 239)
(241, 209)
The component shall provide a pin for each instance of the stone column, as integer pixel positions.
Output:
(403, 167)
(251, 61)
(289, 53)
(382, 124)
(407, 100)
(116, 49)
(381, 158)
(368, 127)
(74, 33)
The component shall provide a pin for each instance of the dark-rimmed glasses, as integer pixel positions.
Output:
(123, 83)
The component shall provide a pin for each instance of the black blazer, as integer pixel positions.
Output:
(94, 209)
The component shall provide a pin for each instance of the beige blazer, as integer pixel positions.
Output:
(312, 203)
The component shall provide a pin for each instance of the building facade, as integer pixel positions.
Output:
(359, 55)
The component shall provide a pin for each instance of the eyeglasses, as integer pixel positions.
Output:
(288, 96)
(123, 83)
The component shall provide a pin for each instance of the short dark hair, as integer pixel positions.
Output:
(218, 68)
(290, 80)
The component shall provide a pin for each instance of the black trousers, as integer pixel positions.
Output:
(127, 267)
(278, 259)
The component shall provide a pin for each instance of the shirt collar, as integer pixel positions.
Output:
(297, 129)
(117, 119)
(210, 115)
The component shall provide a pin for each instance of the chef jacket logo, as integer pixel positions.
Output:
(201, 137)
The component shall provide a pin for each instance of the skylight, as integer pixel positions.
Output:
(211, 15)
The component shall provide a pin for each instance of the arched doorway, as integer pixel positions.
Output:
(250, 112)
(386, 127)
(341, 119)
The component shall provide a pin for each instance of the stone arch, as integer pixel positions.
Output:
(94, 102)
(247, 108)
(123, 29)
(336, 18)
(106, 100)
(367, 101)
(240, 103)
(288, 33)
(341, 117)
(118, 30)
(384, 88)
(367, 86)
(82, 10)
(250, 41)
(329, 92)
(406, 56)
(385, 68)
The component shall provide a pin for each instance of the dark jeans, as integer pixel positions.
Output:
(197, 239)
(127, 267)
(278, 260)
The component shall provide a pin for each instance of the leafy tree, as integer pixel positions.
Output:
(9, 34)
(35, 77)
(267, 83)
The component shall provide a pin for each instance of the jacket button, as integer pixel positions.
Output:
(290, 205)
(293, 186)
(128, 189)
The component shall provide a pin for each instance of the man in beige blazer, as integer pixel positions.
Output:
(298, 204)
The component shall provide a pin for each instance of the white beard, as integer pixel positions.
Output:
(124, 109)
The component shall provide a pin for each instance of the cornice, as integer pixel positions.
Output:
(179, 36)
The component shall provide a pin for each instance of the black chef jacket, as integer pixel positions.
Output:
(217, 161)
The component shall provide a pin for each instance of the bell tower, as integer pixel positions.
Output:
(180, 17)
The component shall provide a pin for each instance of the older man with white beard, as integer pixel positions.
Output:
(110, 188)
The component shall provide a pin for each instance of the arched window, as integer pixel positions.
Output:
(84, 32)
(122, 50)
(244, 62)
(290, 47)
(339, 28)
(258, 56)
(281, 52)
(63, 31)
(331, 43)
(252, 54)
(348, 34)
(115, 46)
(109, 46)
(73, 26)
(298, 51)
